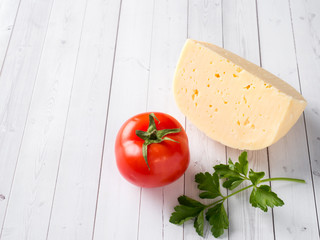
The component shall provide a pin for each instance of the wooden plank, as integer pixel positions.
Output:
(75, 198)
(16, 85)
(33, 187)
(205, 24)
(8, 13)
(241, 37)
(289, 156)
(306, 28)
(118, 206)
(169, 34)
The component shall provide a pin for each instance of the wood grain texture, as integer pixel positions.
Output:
(119, 201)
(241, 36)
(168, 36)
(8, 13)
(306, 28)
(31, 196)
(72, 71)
(17, 80)
(78, 175)
(205, 24)
(289, 156)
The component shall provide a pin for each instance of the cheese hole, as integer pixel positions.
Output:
(245, 100)
(246, 122)
(235, 75)
(195, 93)
(253, 126)
(217, 75)
(211, 62)
(194, 69)
(225, 102)
(210, 105)
(208, 85)
(224, 72)
(216, 110)
(238, 122)
(239, 70)
(247, 87)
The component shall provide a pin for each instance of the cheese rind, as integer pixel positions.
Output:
(233, 100)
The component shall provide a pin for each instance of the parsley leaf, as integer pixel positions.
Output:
(262, 197)
(215, 213)
(188, 209)
(234, 170)
(255, 177)
(218, 219)
(189, 202)
(208, 183)
(234, 173)
(225, 171)
(232, 182)
(199, 223)
(243, 164)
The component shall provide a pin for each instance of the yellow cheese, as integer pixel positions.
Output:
(231, 100)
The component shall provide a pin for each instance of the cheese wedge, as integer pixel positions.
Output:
(232, 100)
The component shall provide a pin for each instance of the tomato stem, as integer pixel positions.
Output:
(152, 135)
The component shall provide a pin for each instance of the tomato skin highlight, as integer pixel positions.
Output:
(168, 160)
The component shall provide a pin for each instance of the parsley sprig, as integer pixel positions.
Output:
(233, 175)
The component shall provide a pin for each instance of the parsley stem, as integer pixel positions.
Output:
(267, 180)
(283, 179)
(247, 187)
(214, 203)
(224, 198)
(242, 189)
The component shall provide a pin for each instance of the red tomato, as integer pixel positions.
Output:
(168, 160)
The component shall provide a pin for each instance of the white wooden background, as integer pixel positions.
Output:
(72, 71)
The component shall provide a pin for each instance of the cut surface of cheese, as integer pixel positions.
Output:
(232, 100)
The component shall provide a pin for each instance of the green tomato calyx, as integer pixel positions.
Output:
(152, 135)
